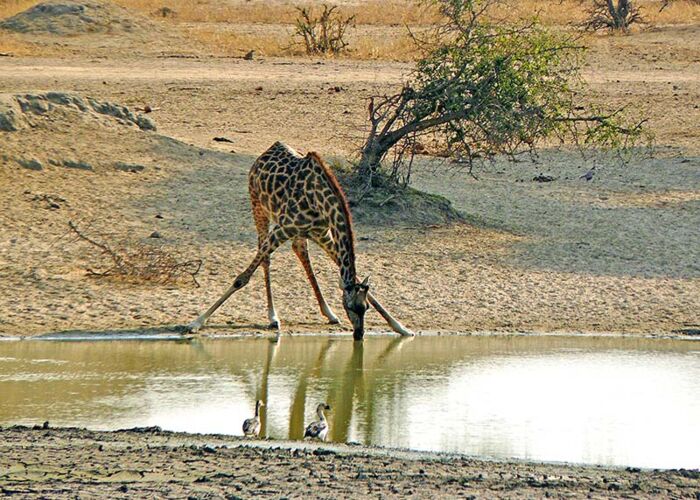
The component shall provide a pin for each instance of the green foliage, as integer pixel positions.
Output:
(482, 88)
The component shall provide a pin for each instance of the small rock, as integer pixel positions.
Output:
(258, 88)
(128, 167)
(543, 178)
(145, 123)
(123, 488)
(155, 234)
(222, 139)
(80, 165)
(9, 116)
(31, 164)
(45, 425)
(165, 12)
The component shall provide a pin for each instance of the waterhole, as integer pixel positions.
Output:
(610, 401)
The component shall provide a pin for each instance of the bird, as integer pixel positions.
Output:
(251, 426)
(249, 56)
(318, 429)
(589, 175)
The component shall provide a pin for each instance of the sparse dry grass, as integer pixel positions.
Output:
(376, 12)
(399, 12)
(235, 44)
(11, 7)
(12, 45)
(233, 28)
(232, 43)
(373, 12)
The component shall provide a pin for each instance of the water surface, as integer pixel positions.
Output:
(611, 401)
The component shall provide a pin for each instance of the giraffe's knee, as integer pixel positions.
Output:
(241, 281)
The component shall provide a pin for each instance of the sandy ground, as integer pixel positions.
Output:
(617, 254)
(57, 463)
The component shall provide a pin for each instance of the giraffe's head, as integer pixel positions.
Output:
(355, 304)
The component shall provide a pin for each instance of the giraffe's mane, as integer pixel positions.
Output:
(340, 194)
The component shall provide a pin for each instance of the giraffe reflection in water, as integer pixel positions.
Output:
(353, 386)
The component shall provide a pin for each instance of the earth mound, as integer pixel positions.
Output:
(76, 17)
(22, 110)
(55, 120)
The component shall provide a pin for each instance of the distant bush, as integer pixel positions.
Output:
(613, 15)
(323, 33)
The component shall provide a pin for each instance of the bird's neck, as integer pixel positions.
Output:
(321, 415)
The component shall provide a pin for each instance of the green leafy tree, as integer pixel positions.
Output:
(482, 88)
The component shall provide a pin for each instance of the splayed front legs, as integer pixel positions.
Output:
(273, 240)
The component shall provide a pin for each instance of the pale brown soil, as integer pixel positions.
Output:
(618, 254)
(57, 463)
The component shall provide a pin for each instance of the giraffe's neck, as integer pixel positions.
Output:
(346, 253)
(340, 221)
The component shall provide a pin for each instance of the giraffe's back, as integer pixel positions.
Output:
(286, 185)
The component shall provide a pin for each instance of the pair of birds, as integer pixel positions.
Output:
(315, 430)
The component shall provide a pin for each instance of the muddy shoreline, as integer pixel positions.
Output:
(171, 333)
(59, 462)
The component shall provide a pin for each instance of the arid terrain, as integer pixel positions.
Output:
(619, 254)
(150, 463)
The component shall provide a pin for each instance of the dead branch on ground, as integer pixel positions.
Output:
(136, 261)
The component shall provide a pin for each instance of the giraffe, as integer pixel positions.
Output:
(302, 199)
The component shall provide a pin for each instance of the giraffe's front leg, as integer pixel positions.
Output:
(301, 249)
(274, 239)
(240, 282)
(393, 322)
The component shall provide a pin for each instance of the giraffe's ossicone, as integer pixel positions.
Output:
(298, 198)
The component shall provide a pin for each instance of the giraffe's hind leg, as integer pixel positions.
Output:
(262, 223)
(301, 249)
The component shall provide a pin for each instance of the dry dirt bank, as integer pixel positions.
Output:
(60, 462)
(617, 254)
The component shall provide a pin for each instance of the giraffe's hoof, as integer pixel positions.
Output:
(274, 325)
(191, 328)
(333, 321)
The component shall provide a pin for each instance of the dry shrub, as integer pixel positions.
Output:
(136, 262)
(612, 15)
(322, 32)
